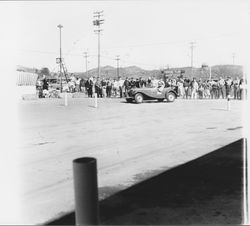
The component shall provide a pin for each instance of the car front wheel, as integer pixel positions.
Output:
(170, 97)
(129, 100)
(138, 98)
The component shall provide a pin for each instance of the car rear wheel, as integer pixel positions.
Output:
(138, 98)
(170, 97)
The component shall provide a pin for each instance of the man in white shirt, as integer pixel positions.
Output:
(194, 89)
(77, 82)
(160, 87)
(221, 84)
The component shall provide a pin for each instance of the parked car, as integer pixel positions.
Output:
(140, 94)
(57, 85)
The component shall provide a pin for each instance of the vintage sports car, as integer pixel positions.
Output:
(140, 94)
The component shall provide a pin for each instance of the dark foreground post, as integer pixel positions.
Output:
(86, 191)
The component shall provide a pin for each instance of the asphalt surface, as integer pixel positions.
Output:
(131, 142)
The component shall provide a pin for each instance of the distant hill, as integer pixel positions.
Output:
(133, 71)
(111, 72)
(227, 70)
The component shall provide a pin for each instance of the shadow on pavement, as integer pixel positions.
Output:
(207, 190)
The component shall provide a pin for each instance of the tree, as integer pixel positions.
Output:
(45, 71)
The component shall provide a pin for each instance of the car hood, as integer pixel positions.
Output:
(148, 89)
(142, 89)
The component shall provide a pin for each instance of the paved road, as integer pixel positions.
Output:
(131, 143)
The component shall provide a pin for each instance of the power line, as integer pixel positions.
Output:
(135, 45)
(181, 42)
(128, 46)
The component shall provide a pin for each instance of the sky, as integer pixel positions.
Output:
(149, 34)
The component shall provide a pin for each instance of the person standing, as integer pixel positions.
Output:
(194, 89)
(180, 88)
(115, 87)
(221, 87)
(77, 82)
(45, 84)
(214, 90)
(137, 83)
(120, 83)
(98, 89)
(103, 85)
(82, 85)
(142, 82)
(228, 86)
(236, 88)
(186, 85)
(39, 87)
(126, 85)
(45, 87)
(89, 86)
(93, 86)
(149, 83)
(132, 83)
(243, 90)
(201, 90)
(109, 88)
(207, 94)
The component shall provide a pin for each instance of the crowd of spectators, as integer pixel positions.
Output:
(187, 88)
(211, 89)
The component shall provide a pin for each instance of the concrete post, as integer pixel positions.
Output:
(66, 98)
(228, 103)
(95, 100)
(86, 191)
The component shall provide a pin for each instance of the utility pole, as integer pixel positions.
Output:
(98, 22)
(210, 72)
(233, 57)
(117, 59)
(60, 28)
(192, 49)
(86, 62)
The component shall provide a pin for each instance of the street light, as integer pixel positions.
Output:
(60, 59)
